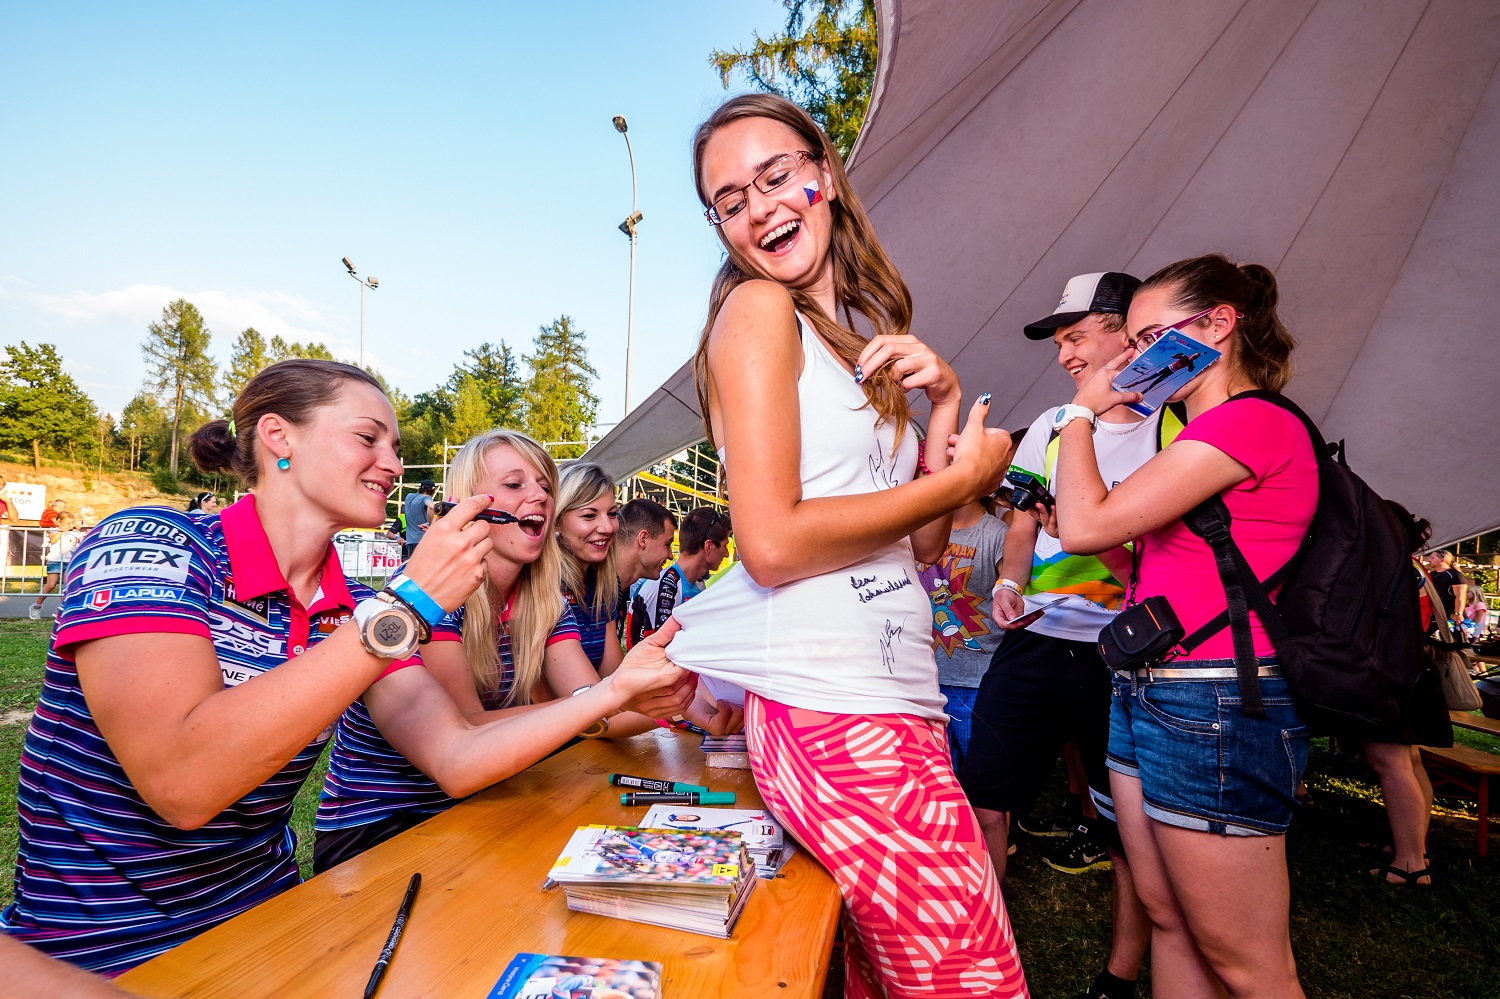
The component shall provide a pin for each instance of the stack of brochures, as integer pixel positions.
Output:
(728, 751)
(687, 880)
(544, 976)
(766, 842)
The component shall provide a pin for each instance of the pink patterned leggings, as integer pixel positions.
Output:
(873, 797)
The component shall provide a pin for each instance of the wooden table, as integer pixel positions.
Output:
(483, 863)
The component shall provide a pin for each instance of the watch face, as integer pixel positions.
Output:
(391, 630)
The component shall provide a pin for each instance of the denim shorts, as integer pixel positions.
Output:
(1201, 763)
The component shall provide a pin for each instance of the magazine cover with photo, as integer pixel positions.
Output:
(552, 976)
(764, 839)
(1166, 366)
(627, 854)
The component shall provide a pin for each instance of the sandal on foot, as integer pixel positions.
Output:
(1408, 878)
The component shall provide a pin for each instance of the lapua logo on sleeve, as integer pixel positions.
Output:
(135, 560)
(100, 599)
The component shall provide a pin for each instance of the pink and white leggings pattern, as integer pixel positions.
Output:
(874, 798)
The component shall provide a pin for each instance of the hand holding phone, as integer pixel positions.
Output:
(1028, 620)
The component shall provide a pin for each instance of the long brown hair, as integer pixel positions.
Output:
(537, 601)
(579, 484)
(864, 279)
(1264, 352)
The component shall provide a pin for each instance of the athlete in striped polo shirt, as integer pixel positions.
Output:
(588, 518)
(199, 663)
(513, 644)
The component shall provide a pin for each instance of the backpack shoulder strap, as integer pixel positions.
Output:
(1242, 590)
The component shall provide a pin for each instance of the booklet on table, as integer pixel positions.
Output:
(546, 976)
(766, 842)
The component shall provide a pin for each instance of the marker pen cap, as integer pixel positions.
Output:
(716, 798)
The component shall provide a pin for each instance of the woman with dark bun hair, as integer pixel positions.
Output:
(1203, 792)
(200, 661)
(204, 501)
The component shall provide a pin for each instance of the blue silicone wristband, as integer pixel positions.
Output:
(408, 590)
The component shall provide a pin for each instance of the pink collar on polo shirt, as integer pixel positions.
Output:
(252, 563)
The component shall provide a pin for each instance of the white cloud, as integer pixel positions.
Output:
(227, 311)
(106, 327)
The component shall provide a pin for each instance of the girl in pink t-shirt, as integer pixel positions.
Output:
(1203, 793)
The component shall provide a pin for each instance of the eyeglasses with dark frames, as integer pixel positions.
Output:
(772, 179)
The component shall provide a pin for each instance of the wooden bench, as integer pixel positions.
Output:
(1478, 723)
(1471, 770)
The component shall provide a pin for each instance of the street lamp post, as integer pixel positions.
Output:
(628, 228)
(371, 283)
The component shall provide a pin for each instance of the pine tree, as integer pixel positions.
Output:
(560, 404)
(247, 357)
(824, 60)
(145, 427)
(281, 350)
(40, 404)
(178, 366)
(494, 370)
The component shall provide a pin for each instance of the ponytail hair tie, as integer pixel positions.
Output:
(231, 426)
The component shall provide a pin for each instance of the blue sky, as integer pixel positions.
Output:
(461, 153)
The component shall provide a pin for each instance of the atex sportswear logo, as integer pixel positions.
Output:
(124, 560)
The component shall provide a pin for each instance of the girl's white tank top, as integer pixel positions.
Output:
(855, 641)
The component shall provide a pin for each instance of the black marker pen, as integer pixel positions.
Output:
(682, 798)
(651, 784)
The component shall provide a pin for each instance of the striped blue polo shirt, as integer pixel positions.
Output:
(369, 780)
(101, 879)
(593, 631)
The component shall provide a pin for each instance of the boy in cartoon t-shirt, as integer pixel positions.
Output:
(964, 635)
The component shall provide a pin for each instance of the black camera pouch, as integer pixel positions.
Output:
(1141, 635)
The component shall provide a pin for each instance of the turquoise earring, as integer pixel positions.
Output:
(283, 463)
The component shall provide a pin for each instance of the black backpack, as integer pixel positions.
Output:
(1347, 623)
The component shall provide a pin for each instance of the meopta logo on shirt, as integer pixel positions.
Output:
(133, 560)
(101, 599)
(144, 527)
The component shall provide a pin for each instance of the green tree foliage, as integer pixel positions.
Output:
(251, 354)
(247, 356)
(145, 429)
(824, 60)
(560, 404)
(179, 368)
(40, 404)
(471, 412)
(493, 369)
(281, 350)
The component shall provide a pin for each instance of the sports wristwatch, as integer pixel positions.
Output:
(1067, 414)
(388, 628)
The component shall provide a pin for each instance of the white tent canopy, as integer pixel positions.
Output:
(1353, 148)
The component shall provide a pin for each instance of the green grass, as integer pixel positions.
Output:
(1354, 936)
(23, 652)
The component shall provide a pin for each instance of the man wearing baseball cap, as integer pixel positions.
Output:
(1046, 683)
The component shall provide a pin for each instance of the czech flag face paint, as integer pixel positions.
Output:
(813, 191)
